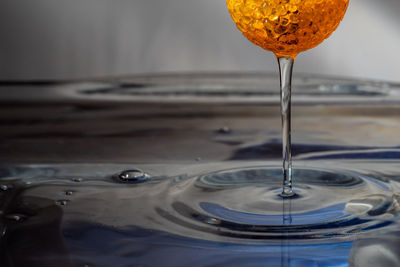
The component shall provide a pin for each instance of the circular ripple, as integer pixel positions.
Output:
(246, 204)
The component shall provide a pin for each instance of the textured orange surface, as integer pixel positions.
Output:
(287, 27)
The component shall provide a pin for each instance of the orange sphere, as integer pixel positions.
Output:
(287, 27)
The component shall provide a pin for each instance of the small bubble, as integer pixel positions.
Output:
(62, 202)
(224, 130)
(213, 221)
(4, 187)
(133, 176)
(77, 180)
(198, 159)
(16, 217)
(69, 192)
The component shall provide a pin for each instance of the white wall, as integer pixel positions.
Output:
(85, 38)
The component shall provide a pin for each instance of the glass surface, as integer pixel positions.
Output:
(65, 201)
(287, 28)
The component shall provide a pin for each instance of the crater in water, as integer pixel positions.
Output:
(245, 205)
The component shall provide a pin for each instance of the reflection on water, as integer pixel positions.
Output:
(233, 217)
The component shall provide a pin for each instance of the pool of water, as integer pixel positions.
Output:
(201, 155)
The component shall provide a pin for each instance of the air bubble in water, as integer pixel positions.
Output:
(213, 221)
(69, 192)
(16, 217)
(133, 176)
(4, 187)
(62, 202)
(224, 130)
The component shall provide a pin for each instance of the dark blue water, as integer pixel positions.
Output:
(140, 247)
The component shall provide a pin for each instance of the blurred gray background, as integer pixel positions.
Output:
(55, 39)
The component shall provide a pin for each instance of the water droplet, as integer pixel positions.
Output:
(77, 180)
(133, 176)
(4, 231)
(16, 217)
(198, 159)
(69, 192)
(62, 202)
(224, 130)
(4, 187)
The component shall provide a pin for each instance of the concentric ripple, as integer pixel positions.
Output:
(243, 205)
